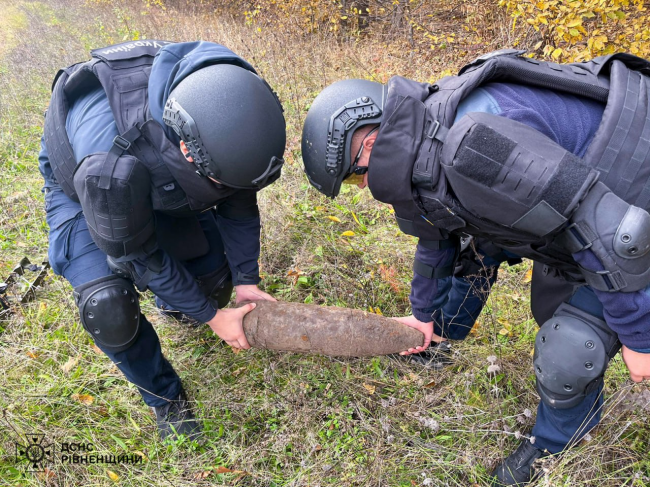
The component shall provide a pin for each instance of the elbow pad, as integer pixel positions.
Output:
(618, 234)
(117, 204)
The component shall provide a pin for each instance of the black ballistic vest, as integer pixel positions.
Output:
(123, 72)
(405, 170)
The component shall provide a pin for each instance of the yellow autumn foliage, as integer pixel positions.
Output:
(558, 30)
(571, 31)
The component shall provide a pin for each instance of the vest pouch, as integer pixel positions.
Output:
(119, 214)
(511, 174)
(182, 238)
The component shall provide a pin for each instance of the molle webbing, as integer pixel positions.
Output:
(123, 71)
(441, 106)
(620, 150)
(568, 78)
(131, 86)
(58, 145)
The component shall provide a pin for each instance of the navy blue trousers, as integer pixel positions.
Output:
(554, 428)
(75, 256)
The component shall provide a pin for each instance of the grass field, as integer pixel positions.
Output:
(270, 419)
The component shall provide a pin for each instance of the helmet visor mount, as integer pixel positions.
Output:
(339, 134)
(185, 127)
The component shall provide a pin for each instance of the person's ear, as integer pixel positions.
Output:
(368, 142)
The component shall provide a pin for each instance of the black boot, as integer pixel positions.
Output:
(176, 418)
(437, 356)
(517, 469)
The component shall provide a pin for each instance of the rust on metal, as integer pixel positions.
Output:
(326, 330)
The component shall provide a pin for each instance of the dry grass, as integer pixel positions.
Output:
(285, 420)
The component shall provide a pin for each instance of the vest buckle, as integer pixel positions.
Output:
(121, 143)
(433, 129)
(436, 131)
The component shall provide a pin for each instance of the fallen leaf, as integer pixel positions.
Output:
(528, 276)
(334, 219)
(102, 411)
(239, 477)
(349, 233)
(33, 354)
(70, 364)
(46, 474)
(370, 388)
(239, 370)
(504, 331)
(140, 454)
(86, 399)
(228, 470)
(474, 330)
(113, 476)
(201, 475)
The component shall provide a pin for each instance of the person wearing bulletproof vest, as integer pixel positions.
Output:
(150, 183)
(512, 158)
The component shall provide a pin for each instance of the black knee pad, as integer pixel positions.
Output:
(110, 312)
(572, 351)
(217, 286)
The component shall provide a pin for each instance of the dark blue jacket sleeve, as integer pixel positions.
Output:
(628, 314)
(177, 287)
(453, 303)
(239, 225)
(427, 295)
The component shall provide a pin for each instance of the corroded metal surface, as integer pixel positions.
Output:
(340, 332)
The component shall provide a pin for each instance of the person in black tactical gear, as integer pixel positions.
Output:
(150, 183)
(520, 158)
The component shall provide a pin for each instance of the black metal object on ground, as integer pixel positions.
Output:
(20, 286)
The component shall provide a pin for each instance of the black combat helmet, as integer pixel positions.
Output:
(232, 124)
(336, 113)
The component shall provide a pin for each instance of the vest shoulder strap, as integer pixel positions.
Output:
(123, 72)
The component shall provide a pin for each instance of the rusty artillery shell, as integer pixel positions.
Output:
(327, 330)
